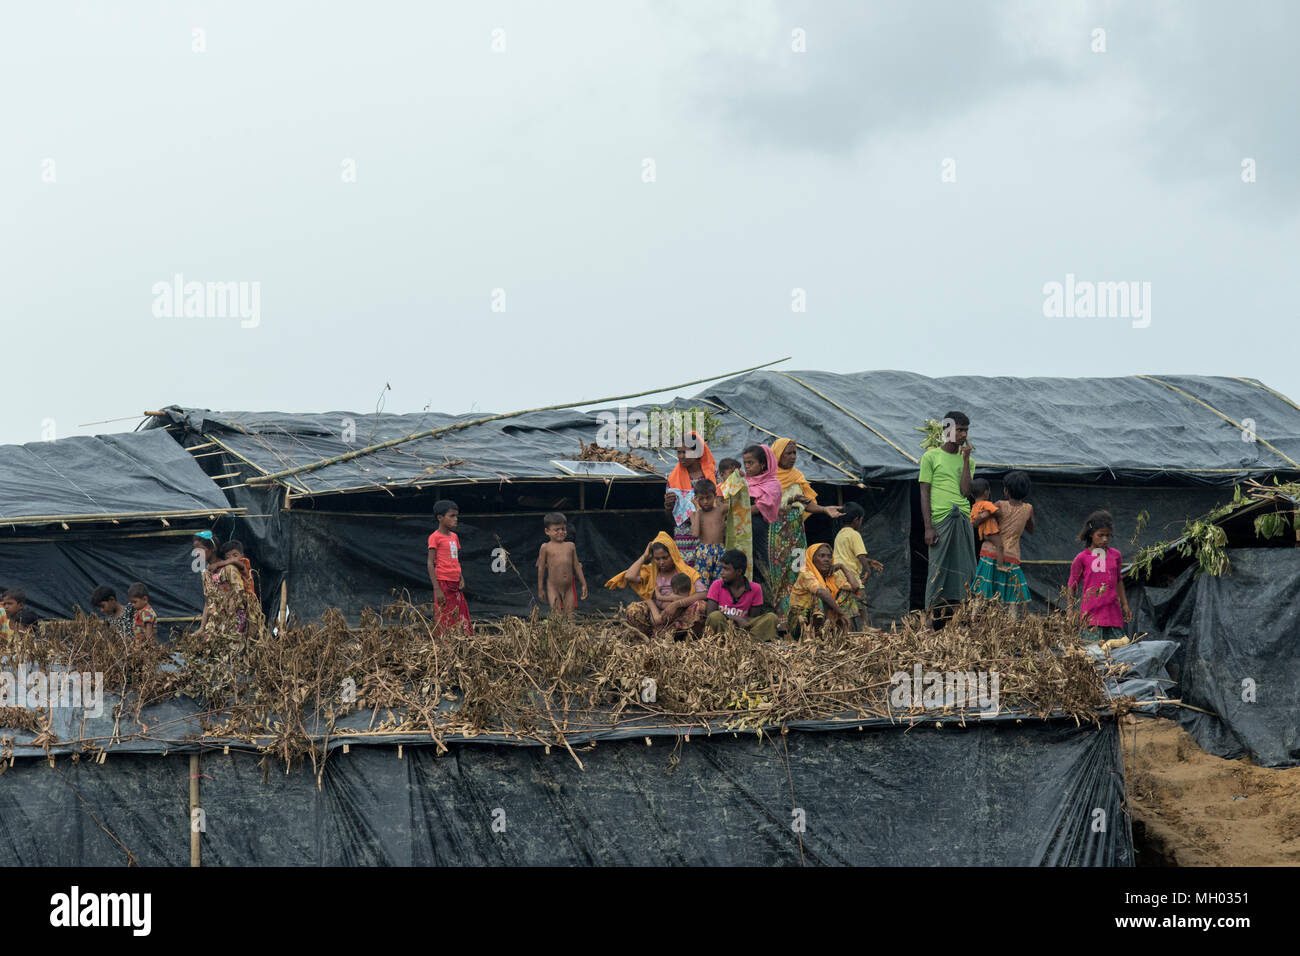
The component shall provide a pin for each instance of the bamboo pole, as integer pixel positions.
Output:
(284, 601)
(142, 515)
(108, 421)
(460, 426)
(194, 805)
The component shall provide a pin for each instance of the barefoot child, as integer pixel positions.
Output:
(144, 622)
(709, 525)
(850, 552)
(1096, 574)
(444, 569)
(559, 572)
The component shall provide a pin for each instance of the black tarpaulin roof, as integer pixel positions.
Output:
(1073, 427)
(854, 426)
(516, 448)
(94, 478)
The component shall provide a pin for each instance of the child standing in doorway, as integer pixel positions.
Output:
(1096, 574)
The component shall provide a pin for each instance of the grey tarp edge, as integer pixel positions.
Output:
(122, 474)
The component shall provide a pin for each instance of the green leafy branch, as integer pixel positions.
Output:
(1204, 539)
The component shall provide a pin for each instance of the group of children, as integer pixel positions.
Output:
(688, 583)
(1096, 579)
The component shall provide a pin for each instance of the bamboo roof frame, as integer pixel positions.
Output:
(118, 517)
(460, 426)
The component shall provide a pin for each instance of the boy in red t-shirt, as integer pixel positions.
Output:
(444, 569)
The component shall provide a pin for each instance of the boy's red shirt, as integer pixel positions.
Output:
(446, 550)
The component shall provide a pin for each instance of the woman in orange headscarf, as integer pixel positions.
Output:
(813, 598)
(786, 542)
(694, 462)
(663, 607)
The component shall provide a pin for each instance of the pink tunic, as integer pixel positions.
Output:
(1100, 577)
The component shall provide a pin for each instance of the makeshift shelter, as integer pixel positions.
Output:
(1237, 632)
(1169, 446)
(111, 509)
(350, 495)
(353, 533)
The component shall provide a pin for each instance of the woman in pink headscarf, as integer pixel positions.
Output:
(765, 496)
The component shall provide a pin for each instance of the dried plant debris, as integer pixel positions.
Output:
(542, 680)
(594, 452)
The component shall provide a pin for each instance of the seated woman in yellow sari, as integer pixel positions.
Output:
(661, 609)
(813, 601)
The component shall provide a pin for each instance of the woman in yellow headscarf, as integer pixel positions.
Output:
(671, 591)
(786, 542)
(813, 597)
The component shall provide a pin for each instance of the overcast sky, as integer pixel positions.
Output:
(380, 169)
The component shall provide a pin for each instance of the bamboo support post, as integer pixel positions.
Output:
(194, 805)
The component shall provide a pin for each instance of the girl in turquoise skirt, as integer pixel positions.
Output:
(1000, 578)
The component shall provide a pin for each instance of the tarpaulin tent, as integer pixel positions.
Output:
(1237, 634)
(1239, 654)
(353, 533)
(111, 509)
(1171, 446)
(1152, 449)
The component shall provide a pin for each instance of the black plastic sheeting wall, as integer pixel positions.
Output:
(1003, 794)
(1060, 510)
(1243, 626)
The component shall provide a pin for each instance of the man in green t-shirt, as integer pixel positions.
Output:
(945, 477)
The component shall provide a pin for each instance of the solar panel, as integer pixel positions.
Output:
(604, 469)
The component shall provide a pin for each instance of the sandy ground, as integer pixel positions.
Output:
(1194, 809)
